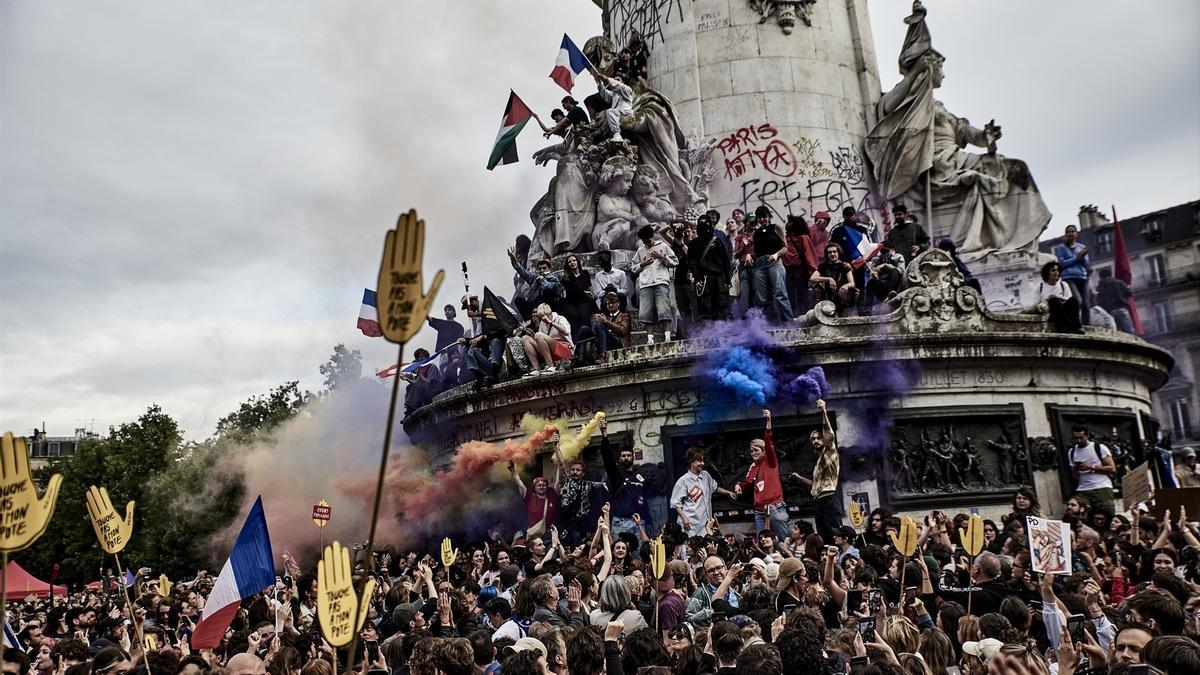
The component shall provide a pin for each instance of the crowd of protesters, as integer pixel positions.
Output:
(570, 590)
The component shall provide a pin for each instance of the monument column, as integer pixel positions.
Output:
(785, 92)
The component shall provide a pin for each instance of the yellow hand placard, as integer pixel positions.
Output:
(150, 642)
(449, 553)
(972, 537)
(112, 532)
(658, 558)
(856, 515)
(906, 543)
(340, 612)
(164, 586)
(401, 301)
(23, 515)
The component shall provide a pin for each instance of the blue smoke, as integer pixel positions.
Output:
(747, 374)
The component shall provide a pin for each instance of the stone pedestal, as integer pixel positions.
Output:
(1009, 279)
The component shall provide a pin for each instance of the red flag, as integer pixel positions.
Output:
(1123, 269)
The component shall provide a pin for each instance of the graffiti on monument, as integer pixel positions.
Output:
(756, 147)
(647, 17)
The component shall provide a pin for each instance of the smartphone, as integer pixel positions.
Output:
(866, 628)
(853, 599)
(1138, 669)
(909, 593)
(1075, 624)
(874, 601)
(1036, 605)
(858, 664)
(372, 650)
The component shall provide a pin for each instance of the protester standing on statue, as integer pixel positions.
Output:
(1073, 260)
(692, 495)
(652, 264)
(1113, 296)
(607, 276)
(1092, 467)
(620, 101)
(541, 503)
(711, 271)
(906, 237)
(824, 482)
(770, 278)
(763, 479)
(626, 487)
(576, 499)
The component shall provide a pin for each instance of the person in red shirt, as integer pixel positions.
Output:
(763, 478)
(541, 502)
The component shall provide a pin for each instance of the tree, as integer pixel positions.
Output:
(344, 367)
(262, 414)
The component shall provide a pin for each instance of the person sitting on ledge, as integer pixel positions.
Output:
(612, 326)
(1064, 307)
(833, 280)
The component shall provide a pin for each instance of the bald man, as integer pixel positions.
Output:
(245, 664)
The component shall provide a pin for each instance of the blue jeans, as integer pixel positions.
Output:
(745, 285)
(778, 516)
(483, 365)
(1123, 318)
(620, 525)
(770, 289)
(1083, 295)
(605, 335)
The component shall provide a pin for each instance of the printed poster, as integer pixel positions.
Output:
(1049, 545)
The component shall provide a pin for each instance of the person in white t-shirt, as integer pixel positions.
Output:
(1092, 467)
(1056, 293)
(692, 496)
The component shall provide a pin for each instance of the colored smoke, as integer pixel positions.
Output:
(747, 374)
(573, 446)
(807, 387)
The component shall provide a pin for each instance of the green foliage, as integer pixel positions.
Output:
(262, 414)
(343, 367)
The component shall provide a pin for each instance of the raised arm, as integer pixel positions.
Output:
(836, 592)
(611, 470)
(772, 458)
(606, 566)
(512, 469)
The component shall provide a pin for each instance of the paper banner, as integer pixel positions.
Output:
(1049, 546)
(23, 515)
(972, 536)
(112, 532)
(400, 296)
(339, 610)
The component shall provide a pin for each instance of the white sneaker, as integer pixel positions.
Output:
(550, 369)
(532, 373)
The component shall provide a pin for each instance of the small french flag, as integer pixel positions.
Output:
(249, 570)
(569, 63)
(862, 249)
(368, 316)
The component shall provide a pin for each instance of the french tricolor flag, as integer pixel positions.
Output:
(570, 62)
(862, 249)
(368, 316)
(249, 570)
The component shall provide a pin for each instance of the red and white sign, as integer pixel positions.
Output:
(321, 512)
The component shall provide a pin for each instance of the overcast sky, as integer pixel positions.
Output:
(193, 195)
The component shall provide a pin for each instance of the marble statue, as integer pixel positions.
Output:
(985, 202)
(786, 12)
(606, 187)
(616, 212)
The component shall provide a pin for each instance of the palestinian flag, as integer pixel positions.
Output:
(516, 114)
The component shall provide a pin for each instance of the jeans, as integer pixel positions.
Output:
(1123, 318)
(828, 515)
(1081, 293)
(483, 365)
(620, 525)
(779, 521)
(745, 286)
(770, 290)
(605, 335)
(797, 288)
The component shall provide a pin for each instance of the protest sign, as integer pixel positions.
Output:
(402, 302)
(449, 553)
(339, 610)
(906, 542)
(857, 517)
(111, 530)
(1049, 545)
(321, 513)
(23, 515)
(972, 536)
(1135, 486)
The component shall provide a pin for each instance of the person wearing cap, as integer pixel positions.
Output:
(790, 584)
(470, 305)
(672, 606)
(824, 482)
(692, 495)
(843, 539)
(770, 509)
(449, 330)
(534, 645)
(819, 231)
(976, 655)
(1187, 474)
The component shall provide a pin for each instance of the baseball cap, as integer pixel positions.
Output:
(985, 649)
(527, 644)
(1189, 451)
(821, 214)
(789, 568)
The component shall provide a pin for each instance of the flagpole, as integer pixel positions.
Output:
(137, 625)
(4, 588)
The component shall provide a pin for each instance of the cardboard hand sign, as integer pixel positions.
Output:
(449, 553)
(112, 532)
(855, 512)
(340, 612)
(402, 302)
(23, 515)
(164, 586)
(972, 536)
(906, 542)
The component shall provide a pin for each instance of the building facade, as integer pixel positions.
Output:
(1164, 253)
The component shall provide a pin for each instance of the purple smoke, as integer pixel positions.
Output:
(807, 387)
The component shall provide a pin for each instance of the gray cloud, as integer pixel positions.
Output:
(192, 198)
